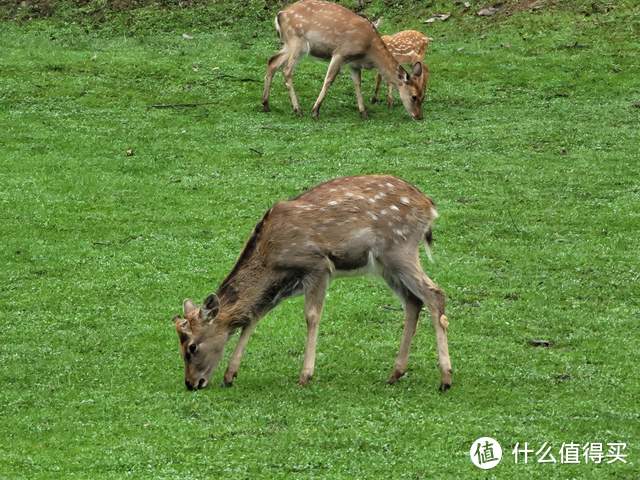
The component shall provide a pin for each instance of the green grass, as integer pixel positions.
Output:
(529, 147)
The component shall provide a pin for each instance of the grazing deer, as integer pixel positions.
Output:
(351, 225)
(408, 46)
(331, 32)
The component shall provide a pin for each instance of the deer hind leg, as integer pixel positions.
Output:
(313, 304)
(356, 76)
(374, 99)
(236, 357)
(296, 50)
(418, 283)
(333, 70)
(273, 65)
(402, 270)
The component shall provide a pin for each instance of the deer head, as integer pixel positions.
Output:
(411, 89)
(202, 340)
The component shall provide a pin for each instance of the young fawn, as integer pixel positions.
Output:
(331, 32)
(408, 46)
(352, 225)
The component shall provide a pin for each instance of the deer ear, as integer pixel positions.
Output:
(402, 74)
(188, 306)
(182, 326)
(210, 307)
(417, 69)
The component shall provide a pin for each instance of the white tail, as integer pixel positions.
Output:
(407, 47)
(347, 226)
(331, 32)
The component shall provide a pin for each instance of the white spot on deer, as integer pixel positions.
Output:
(389, 185)
(372, 215)
(399, 233)
(379, 196)
(371, 200)
(384, 211)
(394, 208)
(404, 200)
(332, 202)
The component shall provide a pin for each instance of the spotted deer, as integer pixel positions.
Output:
(329, 31)
(347, 226)
(407, 47)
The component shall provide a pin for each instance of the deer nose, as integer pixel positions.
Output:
(188, 385)
(202, 383)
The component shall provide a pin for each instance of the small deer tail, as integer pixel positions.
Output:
(428, 239)
(277, 24)
(428, 236)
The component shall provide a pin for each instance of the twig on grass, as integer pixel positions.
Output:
(226, 76)
(178, 105)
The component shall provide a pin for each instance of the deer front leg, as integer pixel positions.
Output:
(236, 357)
(356, 76)
(412, 312)
(389, 95)
(332, 72)
(374, 99)
(313, 304)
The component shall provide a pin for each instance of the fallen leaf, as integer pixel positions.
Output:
(540, 343)
(129, 152)
(186, 36)
(488, 11)
(438, 17)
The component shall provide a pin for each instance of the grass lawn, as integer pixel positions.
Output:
(530, 147)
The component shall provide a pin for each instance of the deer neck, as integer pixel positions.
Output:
(385, 62)
(253, 291)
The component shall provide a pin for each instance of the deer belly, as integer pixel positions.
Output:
(318, 46)
(354, 264)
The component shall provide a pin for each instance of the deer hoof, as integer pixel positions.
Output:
(395, 376)
(297, 112)
(315, 114)
(444, 387)
(304, 380)
(265, 107)
(364, 115)
(226, 383)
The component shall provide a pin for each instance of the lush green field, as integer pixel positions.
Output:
(529, 146)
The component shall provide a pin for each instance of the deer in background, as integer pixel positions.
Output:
(407, 47)
(347, 226)
(329, 31)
